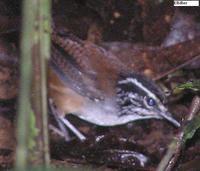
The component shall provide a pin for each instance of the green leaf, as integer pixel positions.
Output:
(191, 128)
(190, 85)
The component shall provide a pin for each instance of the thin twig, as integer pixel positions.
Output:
(177, 144)
(177, 68)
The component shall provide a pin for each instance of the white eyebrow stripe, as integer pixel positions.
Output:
(134, 81)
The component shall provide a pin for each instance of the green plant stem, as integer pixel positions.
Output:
(32, 124)
(25, 83)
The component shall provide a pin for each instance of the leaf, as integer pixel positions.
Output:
(190, 85)
(191, 128)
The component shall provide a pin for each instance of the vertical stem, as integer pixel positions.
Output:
(33, 145)
(39, 85)
(25, 83)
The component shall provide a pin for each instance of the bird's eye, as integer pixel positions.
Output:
(150, 101)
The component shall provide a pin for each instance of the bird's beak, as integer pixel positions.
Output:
(166, 115)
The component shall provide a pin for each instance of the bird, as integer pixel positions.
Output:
(91, 83)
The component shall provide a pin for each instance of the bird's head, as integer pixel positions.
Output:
(140, 98)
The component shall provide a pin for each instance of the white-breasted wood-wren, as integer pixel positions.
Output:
(92, 84)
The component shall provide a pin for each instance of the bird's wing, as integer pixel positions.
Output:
(87, 68)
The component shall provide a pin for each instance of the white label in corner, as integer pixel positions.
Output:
(191, 3)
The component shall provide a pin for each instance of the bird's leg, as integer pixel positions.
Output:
(73, 129)
(56, 130)
(62, 122)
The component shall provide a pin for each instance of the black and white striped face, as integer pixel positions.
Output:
(139, 96)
